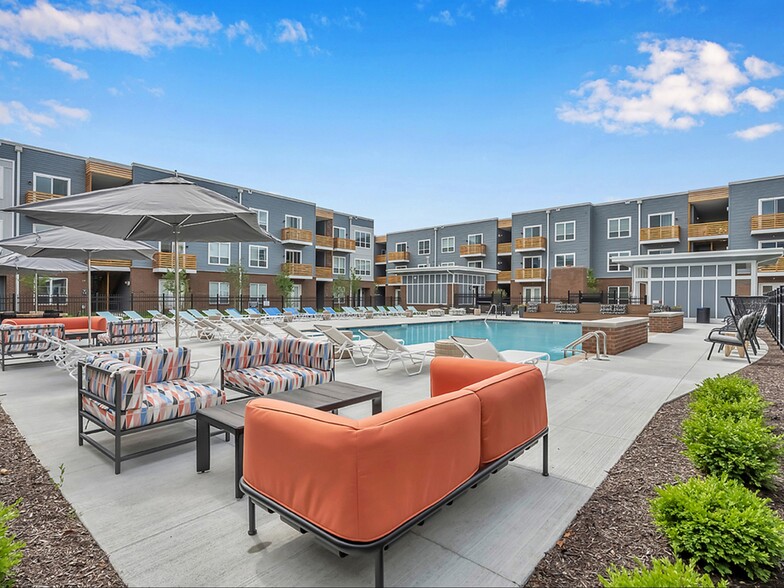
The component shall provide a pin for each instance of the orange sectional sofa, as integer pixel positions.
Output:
(358, 485)
(75, 326)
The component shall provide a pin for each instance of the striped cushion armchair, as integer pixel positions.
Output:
(264, 366)
(21, 341)
(130, 331)
(129, 391)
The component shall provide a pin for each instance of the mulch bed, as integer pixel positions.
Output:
(615, 525)
(60, 551)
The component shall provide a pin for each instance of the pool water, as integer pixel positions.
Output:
(549, 337)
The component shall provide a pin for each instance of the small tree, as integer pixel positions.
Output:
(346, 287)
(236, 276)
(284, 284)
(591, 281)
(169, 283)
(33, 283)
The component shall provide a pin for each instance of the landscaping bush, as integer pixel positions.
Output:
(722, 525)
(730, 396)
(744, 448)
(662, 572)
(10, 548)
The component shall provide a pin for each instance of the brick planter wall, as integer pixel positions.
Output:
(623, 333)
(665, 322)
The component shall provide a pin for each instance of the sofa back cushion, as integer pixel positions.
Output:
(71, 323)
(22, 339)
(360, 480)
(238, 355)
(159, 364)
(110, 373)
(317, 355)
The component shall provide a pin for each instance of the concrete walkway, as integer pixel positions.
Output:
(163, 524)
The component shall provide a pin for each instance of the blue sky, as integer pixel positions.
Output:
(413, 112)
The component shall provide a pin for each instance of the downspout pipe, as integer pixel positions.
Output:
(435, 246)
(16, 223)
(547, 262)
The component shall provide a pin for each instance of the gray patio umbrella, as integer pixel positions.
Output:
(20, 263)
(167, 209)
(66, 243)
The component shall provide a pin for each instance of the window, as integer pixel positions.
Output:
(423, 247)
(447, 263)
(532, 293)
(339, 265)
(401, 247)
(617, 267)
(339, 232)
(262, 217)
(53, 291)
(168, 247)
(6, 179)
(619, 228)
(219, 292)
(565, 231)
(661, 219)
(447, 244)
(476, 264)
(532, 231)
(661, 251)
(292, 222)
(421, 265)
(362, 267)
(258, 294)
(771, 244)
(564, 260)
(257, 256)
(293, 256)
(362, 238)
(51, 184)
(771, 206)
(476, 239)
(533, 262)
(219, 253)
(618, 294)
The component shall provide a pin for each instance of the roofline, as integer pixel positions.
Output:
(445, 269)
(482, 220)
(62, 153)
(758, 255)
(756, 180)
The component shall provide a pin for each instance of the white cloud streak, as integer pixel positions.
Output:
(758, 132)
(444, 17)
(500, 5)
(759, 69)
(71, 70)
(244, 31)
(759, 99)
(291, 31)
(15, 113)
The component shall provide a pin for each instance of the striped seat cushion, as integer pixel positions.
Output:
(161, 401)
(281, 377)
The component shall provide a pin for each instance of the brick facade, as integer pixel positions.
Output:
(567, 279)
(665, 322)
(622, 334)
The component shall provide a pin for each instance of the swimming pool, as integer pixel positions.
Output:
(549, 337)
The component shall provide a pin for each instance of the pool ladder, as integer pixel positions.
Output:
(489, 310)
(601, 338)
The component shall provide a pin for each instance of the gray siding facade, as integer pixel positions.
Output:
(744, 204)
(602, 244)
(677, 203)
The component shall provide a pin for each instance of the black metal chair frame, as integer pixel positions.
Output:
(6, 356)
(116, 456)
(342, 547)
(743, 338)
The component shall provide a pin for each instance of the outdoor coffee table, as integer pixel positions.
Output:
(230, 417)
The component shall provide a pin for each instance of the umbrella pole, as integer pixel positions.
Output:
(35, 291)
(176, 288)
(89, 300)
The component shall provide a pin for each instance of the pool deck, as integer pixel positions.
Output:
(163, 524)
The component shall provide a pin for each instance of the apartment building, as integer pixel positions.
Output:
(317, 245)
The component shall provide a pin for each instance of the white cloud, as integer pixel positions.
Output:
(759, 99)
(683, 80)
(500, 5)
(119, 25)
(244, 31)
(759, 69)
(16, 113)
(670, 6)
(444, 17)
(351, 20)
(75, 72)
(291, 31)
(758, 132)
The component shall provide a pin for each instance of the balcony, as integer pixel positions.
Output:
(777, 267)
(381, 259)
(709, 194)
(398, 256)
(33, 196)
(531, 244)
(532, 274)
(504, 277)
(707, 231)
(109, 263)
(323, 274)
(765, 223)
(473, 250)
(661, 234)
(504, 249)
(164, 261)
(293, 236)
(347, 245)
(297, 271)
(394, 280)
(323, 242)
(380, 281)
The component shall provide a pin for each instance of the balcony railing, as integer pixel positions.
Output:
(777, 267)
(504, 249)
(110, 263)
(473, 250)
(531, 273)
(672, 233)
(165, 260)
(394, 280)
(381, 258)
(324, 241)
(297, 270)
(323, 273)
(380, 281)
(505, 276)
(399, 256)
(530, 243)
(33, 196)
(344, 244)
(707, 230)
(767, 222)
(299, 235)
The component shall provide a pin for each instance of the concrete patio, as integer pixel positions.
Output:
(163, 524)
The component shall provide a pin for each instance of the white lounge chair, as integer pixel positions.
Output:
(388, 350)
(296, 333)
(359, 351)
(483, 349)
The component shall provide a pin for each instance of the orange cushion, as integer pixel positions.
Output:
(72, 323)
(360, 480)
(448, 374)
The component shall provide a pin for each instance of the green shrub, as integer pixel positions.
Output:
(10, 548)
(722, 525)
(662, 572)
(730, 396)
(743, 449)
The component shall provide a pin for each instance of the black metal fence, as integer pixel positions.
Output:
(774, 318)
(580, 297)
